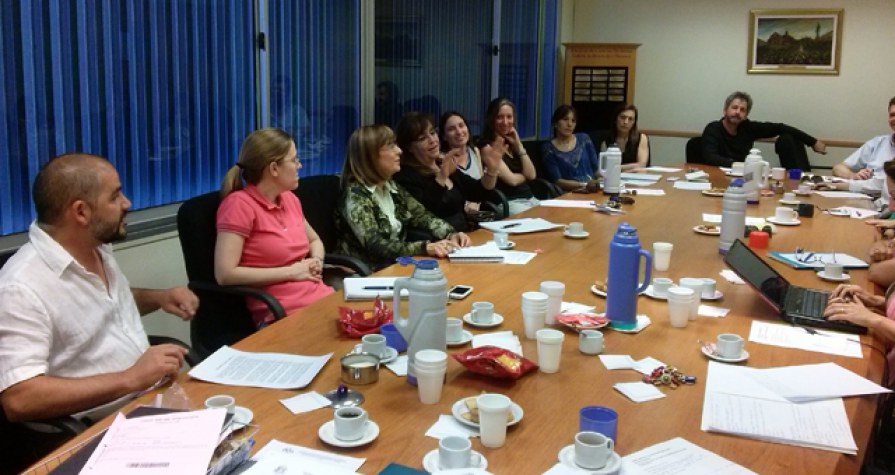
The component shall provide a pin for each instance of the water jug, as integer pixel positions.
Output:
(755, 175)
(425, 324)
(611, 169)
(733, 215)
(622, 286)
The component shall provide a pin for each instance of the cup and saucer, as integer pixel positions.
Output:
(578, 235)
(496, 319)
(466, 338)
(327, 433)
(844, 277)
(242, 416)
(780, 222)
(389, 355)
(567, 458)
(431, 462)
(506, 247)
(710, 350)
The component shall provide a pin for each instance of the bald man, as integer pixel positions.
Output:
(71, 339)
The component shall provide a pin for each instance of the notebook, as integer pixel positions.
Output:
(368, 288)
(796, 305)
(485, 253)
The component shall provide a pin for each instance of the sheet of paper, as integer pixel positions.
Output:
(664, 169)
(737, 404)
(488, 252)
(568, 204)
(856, 213)
(447, 426)
(518, 258)
(716, 218)
(647, 192)
(261, 370)
(306, 402)
(712, 311)
(617, 361)
(689, 185)
(368, 288)
(178, 442)
(282, 464)
(843, 194)
(635, 176)
(679, 456)
(398, 365)
(502, 339)
(638, 391)
(647, 365)
(788, 336)
(815, 382)
(520, 226)
(732, 277)
(276, 448)
(575, 307)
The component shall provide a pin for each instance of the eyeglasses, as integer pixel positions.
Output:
(807, 257)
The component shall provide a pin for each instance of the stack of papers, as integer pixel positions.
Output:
(504, 339)
(639, 391)
(368, 288)
(282, 458)
(677, 456)
(488, 252)
(817, 259)
(260, 370)
(692, 185)
(519, 226)
(716, 219)
(641, 178)
(567, 204)
(788, 336)
(815, 382)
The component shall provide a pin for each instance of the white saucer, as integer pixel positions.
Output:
(718, 296)
(328, 435)
(390, 353)
(581, 235)
(743, 357)
(496, 319)
(242, 416)
(774, 220)
(459, 408)
(700, 228)
(510, 245)
(649, 293)
(432, 465)
(843, 278)
(467, 337)
(567, 458)
(790, 202)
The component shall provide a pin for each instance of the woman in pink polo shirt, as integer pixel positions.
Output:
(263, 239)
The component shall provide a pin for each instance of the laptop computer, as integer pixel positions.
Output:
(796, 305)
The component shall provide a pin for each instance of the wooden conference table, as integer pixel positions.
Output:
(551, 401)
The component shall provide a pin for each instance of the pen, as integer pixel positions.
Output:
(508, 226)
(379, 287)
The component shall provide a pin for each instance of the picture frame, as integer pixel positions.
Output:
(398, 41)
(795, 41)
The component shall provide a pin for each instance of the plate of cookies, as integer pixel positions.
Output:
(466, 411)
(709, 229)
(713, 192)
(599, 288)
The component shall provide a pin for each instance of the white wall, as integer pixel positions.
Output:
(693, 53)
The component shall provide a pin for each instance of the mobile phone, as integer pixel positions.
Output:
(459, 292)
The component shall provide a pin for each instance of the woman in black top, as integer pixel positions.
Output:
(623, 132)
(500, 132)
(433, 178)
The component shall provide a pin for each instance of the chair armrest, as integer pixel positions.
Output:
(543, 189)
(272, 303)
(498, 203)
(191, 358)
(350, 262)
(66, 424)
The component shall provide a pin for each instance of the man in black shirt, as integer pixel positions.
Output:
(729, 140)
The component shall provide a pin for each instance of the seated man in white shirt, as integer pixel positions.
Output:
(71, 340)
(864, 168)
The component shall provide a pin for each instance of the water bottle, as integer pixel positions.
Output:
(755, 174)
(622, 287)
(733, 215)
(425, 325)
(611, 169)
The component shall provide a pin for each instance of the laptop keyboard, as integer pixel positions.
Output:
(807, 302)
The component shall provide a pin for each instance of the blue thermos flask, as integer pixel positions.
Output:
(622, 286)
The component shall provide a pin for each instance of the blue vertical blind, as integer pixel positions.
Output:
(315, 77)
(164, 89)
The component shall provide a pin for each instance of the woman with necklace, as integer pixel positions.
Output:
(570, 159)
(500, 136)
(623, 133)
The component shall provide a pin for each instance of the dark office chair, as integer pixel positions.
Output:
(542, 188)
(427, 104)
(694, 150)
(222, 317)
(319, 196)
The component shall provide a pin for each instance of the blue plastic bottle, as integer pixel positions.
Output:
(624, 269)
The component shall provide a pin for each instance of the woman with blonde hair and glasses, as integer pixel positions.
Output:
(373, 213)
(263, 239)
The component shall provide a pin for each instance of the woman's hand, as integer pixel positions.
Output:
(307, 269)
(514, 142)
(881, 224)
(460, 239)
(440, 248)
(845, 293)
(854, 312)
(492, 155)
(449, 163)
(880, 250)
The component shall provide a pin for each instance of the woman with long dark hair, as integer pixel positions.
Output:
(570, 159)
(500, 133)
(623, 133)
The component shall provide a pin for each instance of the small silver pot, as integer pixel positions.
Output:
(360, 368)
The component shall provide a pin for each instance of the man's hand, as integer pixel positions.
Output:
(863, 174)
(155, 363)
(180, 301)
(820, 147)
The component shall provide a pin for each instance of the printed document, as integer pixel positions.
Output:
(788, 336)
(679, 456)
(278, 450)
(260, 370)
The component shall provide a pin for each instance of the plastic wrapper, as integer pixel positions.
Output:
(357, 323)
(495, 362)
(582, 321)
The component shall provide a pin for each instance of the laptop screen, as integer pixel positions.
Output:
(757, 273)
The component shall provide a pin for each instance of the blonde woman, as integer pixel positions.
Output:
(500, 134)
(374, 213)
(263, 239)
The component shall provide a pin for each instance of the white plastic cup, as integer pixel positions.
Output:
(430, 360)
(590, 342)
(549, 349)
(454, 452)
(730, 345)
(679, 299)
(493, 412)
(696, 284)
(778, 173)
(662, 255)
(534, 312)
(430, 383)
(554, 291)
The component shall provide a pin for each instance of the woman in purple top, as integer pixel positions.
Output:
(570, 159)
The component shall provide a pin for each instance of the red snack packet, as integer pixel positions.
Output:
(495, 362)
(357, 323)
(582, 321)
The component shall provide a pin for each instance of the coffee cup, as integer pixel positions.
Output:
(661, 286)
(778, 173)
(833, 270)
(592, 450)
(454, 452)
(785, 214)
(502, 239)
(805, 210)
(805, 188)
(662, 255)
(789, 196)
(737, 168)
(730, 345)
(222, 401)
(350, 423)
(482, 312)
(708, 288)
(374, 344)
(575, 228)
(454, 331)
(590, 342)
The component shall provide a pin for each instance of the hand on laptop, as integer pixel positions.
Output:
(854, 312)
(845, 293)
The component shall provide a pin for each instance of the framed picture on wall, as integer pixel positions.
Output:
(795, 41)
(398, 42)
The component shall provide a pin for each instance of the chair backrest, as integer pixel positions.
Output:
(319, 196)
(535, 150)
(694, 150)
(222, 319)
